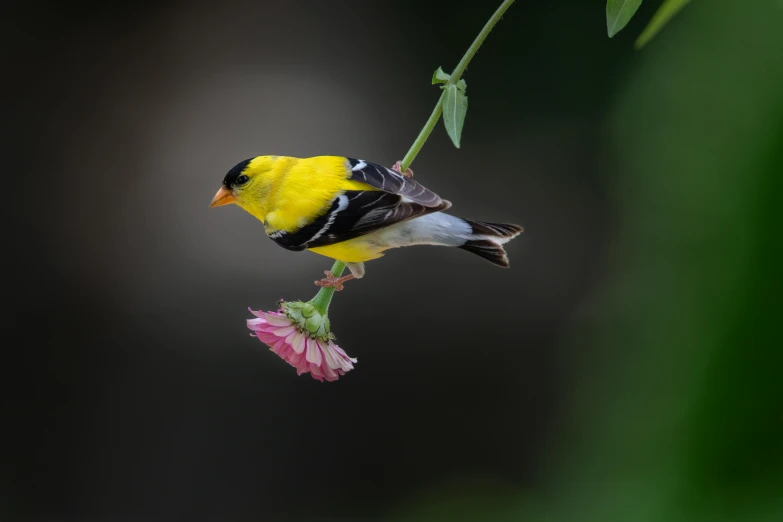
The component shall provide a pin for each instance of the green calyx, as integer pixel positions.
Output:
(311, 317)
(308, 319)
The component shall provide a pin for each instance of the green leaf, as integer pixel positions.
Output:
(440, 77)
(461, 85)
(455, 106)
(666, 12)
(619, 13)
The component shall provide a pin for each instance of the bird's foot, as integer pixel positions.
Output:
(333, 282)
(397, 167)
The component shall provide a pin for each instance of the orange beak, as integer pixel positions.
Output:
(223, 197)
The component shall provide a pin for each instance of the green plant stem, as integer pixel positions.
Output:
(424, 134)
(324, 296)
(455, 77)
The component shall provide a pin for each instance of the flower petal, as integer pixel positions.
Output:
(297, 359)
(345, 361)
(313, 353)
(277, 319)
(257, 314)
(329, 373)
(342, 353)
(266, 337)
(298, 342)
(316, 372)
(283, 331)
(331, 358)
(257, 324)
(279, 347)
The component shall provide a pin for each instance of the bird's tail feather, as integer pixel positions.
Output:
(488, 240)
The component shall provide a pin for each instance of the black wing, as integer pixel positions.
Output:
(353, 214)
(392, 182)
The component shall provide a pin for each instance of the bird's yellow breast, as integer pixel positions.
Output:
(305, 189)
(356, 250)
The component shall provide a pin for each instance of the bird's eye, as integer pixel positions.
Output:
(241, 180)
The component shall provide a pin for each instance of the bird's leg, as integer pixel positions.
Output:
(333, 282)
(398, 168)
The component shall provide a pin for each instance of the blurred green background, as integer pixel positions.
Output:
(627, 368)
(678, 410)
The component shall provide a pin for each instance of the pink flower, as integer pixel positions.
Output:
(304, 342)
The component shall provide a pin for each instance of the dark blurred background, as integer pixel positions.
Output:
(626, 367)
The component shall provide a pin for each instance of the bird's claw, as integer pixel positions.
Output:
(333, 282)
(397, 167)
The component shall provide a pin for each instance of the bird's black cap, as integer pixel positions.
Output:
(235, 172)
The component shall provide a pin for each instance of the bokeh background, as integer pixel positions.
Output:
(626, 368)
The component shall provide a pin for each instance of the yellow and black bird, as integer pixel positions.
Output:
(352, 210)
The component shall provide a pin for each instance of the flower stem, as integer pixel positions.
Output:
(455, 77)
(424, 134)
(324, 296)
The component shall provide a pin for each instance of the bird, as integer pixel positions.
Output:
(352, 211)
